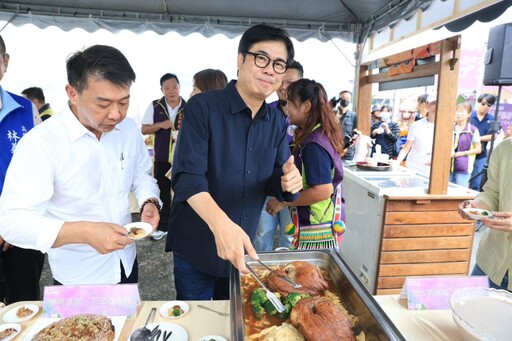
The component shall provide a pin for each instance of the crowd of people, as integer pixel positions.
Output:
(230, 171)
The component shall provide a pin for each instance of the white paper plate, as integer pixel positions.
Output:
(478, 213)
(117, 321)
(11, 317)
(212, 338)
(14, 326)
(178, 333)
(145, 226)
(164, 309)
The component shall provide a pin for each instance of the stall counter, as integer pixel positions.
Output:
(419, 324)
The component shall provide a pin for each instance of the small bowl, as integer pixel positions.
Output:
(482, 313)
(168, 306)
(139, 230)
(478, 213)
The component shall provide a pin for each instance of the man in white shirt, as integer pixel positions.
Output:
(66, 189)
(159, 119)
(420, 139)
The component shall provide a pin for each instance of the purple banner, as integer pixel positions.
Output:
(109, 300)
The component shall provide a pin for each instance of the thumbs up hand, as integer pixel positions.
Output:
(291, 181)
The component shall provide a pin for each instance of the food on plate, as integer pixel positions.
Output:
(85, 327)
(320, 319)
(23, 312)
(262, 321)
(4, 334)
(175, 311)
(304, 273)
(482, 213)
(136, 233)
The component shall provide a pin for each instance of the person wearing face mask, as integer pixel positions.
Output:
(466, 144)
(386, 134)
(348, 121)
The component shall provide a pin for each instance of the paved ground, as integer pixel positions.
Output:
(156, 281)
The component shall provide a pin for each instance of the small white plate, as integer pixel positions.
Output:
(478, 213)
(14, 326)
(178, 333)
(212, 338)
(164, 309)
(11, 317)
(146, 230)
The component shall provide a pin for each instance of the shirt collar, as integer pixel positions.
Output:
(7, 103)
(238, 105)
(74, 128)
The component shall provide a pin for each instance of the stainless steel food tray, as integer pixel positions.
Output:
(356, 298)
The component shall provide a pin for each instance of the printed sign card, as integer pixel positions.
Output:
(429, 293)
(109, 300)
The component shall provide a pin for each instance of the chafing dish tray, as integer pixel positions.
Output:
(355, 297)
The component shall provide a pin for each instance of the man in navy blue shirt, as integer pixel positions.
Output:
(232, 152)
(481, 119)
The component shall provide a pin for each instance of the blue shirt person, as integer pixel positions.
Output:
(232, 153)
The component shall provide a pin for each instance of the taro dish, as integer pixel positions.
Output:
(314, 312)
(136, 233)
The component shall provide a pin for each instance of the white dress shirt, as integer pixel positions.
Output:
(61, 172)
(420, 155)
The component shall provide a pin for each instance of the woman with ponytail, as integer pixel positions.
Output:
(319, 213)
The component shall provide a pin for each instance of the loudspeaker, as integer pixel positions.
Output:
(498, 58)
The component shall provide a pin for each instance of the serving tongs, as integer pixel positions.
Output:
(284, 278)
(270, 295)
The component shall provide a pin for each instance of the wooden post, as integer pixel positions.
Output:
(446, 104)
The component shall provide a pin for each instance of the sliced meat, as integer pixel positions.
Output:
(319, 319)
(304, 273)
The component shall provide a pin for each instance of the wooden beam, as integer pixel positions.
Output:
(430, 69)
(364, 101)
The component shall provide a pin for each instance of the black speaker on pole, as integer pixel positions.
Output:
(498, 59)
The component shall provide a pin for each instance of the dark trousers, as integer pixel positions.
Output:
(133, 279)
(164, 184)
(22, 272)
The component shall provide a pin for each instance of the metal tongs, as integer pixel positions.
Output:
(270, 295)
(284, 278)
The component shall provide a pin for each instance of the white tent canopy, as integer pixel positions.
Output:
(350, 20)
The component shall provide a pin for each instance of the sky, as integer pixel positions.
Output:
(38, 58)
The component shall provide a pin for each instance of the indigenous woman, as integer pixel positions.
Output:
(318, 213)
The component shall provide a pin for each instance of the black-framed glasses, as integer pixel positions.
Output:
(262, 61)
(486, 104)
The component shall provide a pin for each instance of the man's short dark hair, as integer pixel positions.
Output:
(3, 49)
(262, 32)
(345, 92)
(34, 93)
(423, 98)
(487, 97)
(101, 61)
(297, 66)
(168, 76)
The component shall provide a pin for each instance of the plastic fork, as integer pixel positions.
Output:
(270, 295)
(294, 284)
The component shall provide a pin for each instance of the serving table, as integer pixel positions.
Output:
(197, 322)
(419, 324)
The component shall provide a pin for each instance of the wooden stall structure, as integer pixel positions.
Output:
(420, 235)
